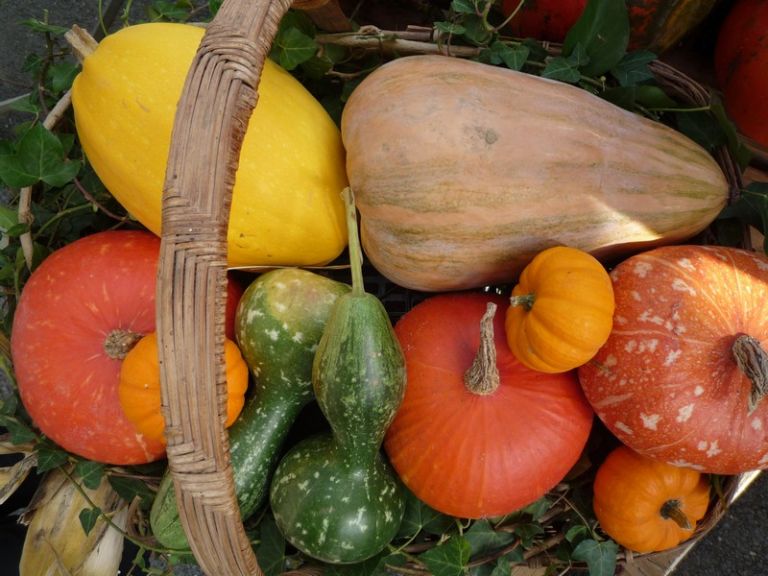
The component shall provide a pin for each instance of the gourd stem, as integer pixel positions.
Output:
(483, 376)
(671, 510)
(119, 342)
(355, 253)
(752, 360)
(525, 300)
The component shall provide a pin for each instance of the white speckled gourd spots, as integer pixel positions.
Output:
(667, 383)
(279, 323)
(333, 496)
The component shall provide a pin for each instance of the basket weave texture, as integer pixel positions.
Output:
(218, 98)
(213, 112)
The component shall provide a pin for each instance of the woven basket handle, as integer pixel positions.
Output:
(211, 118)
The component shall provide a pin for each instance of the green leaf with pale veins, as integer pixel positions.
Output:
(449, 558)
(599, 556)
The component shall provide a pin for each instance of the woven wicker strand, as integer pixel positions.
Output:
(216, 103)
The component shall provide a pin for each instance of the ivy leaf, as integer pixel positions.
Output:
(39, 156)
(578, 58)
(379, 565)
(502, 567)
(558, 68)
(50, 457)
(464, 7)
(418, 516)
(90, 473)
(634, 68)
(738, 150)
(88, 518)
(599, 556)
(165, 10)
(513, 57)
(603, 31)
(475, 30)
(449, 558)
(130, 488)
(20, 432)
(701, 127)
(483, 538)
(450, 28)
(527, 533)
(752, 208)
(61, 75)
(576, 534)
(538, 508)
(294, 47)
(271, 548)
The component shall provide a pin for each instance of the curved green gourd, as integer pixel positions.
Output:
(333, 496)
(279, 322)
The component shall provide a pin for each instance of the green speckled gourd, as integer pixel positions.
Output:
(279, 322)
(333, 496)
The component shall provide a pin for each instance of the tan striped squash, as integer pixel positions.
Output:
(464, 171)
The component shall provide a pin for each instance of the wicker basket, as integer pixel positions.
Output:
(218, 98)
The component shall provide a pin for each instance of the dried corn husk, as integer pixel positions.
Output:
(11, 477)
(57, 545)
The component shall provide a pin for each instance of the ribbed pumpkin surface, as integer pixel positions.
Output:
(464, 171)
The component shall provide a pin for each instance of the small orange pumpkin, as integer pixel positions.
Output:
(561, 310)
(646, 505)
(139, 389)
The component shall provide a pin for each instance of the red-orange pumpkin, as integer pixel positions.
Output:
(741, 67)
(79, 313)
(478, 434)
(679, 377)
(655, 25)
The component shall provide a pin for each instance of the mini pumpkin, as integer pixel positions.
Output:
(646, 505)
(140, 386)
(561, 310)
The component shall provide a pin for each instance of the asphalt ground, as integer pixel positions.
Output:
(737, 545)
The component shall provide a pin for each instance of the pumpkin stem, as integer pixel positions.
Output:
(483, 376)
(81, 42)
(119, 342)
(525, 300)
(671, 510)
(752, 360)
(355, 254)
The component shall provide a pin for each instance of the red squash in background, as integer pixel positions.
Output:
(482, 448)
(741, 67)
(79, 313)
(655, 25)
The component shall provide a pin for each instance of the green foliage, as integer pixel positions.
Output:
(88, 518)
(602, 31)
(69, 201)
(599, 556)
(449, 558)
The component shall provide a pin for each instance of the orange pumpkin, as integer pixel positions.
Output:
(681, 377)
(139, 389)
(561, 310)
(646, 505)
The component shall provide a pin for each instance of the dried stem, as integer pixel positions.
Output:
(25, 195)
(483, 375)
(411, 41)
